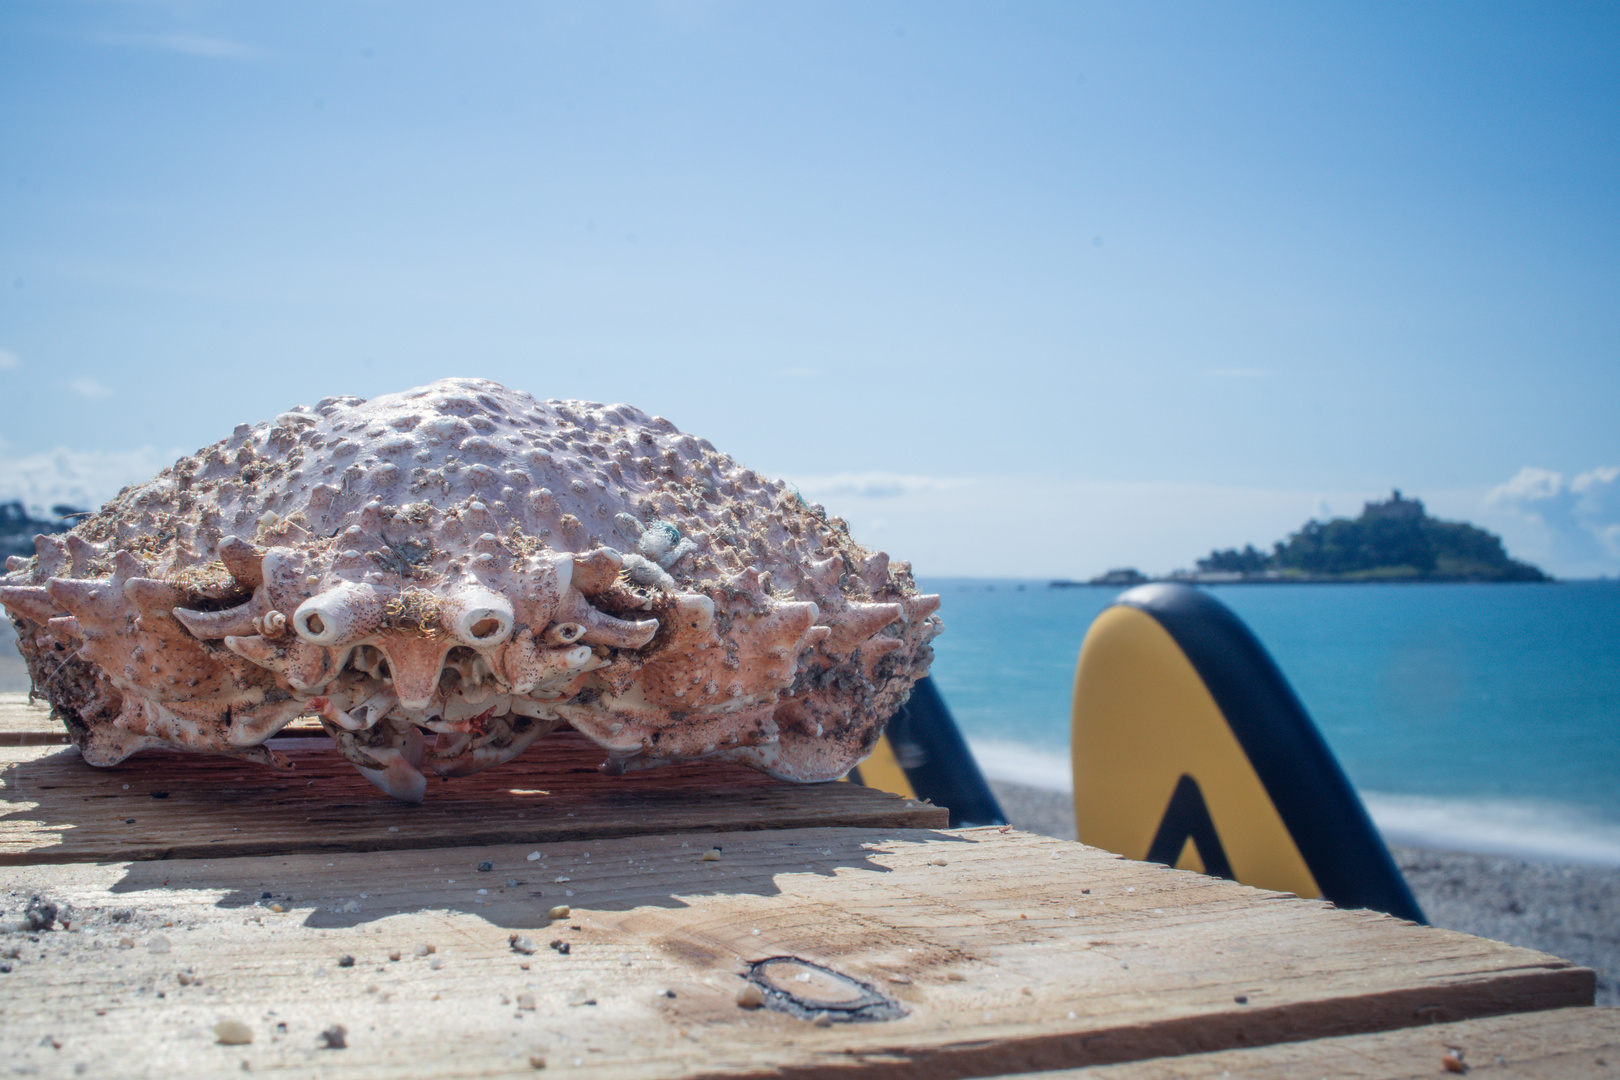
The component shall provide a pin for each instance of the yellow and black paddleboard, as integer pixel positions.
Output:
(1191, 749)
(922, 755)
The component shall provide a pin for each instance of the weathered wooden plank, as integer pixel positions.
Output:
(1008, 952)
(1561, 1043)
(26, 723)
(156, 805)
(29, 723)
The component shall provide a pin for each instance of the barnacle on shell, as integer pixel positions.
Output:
(446, 574)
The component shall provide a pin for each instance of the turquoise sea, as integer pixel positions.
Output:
(1473, 717)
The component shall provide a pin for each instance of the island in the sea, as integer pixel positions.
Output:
(1393, 540)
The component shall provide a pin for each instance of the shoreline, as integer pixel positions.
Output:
(1571, 910)
(1309, 579)
(1538, 830)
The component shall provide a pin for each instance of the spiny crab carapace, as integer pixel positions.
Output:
(444, 575)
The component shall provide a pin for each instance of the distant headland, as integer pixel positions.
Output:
(1394, 540)
(17, 529)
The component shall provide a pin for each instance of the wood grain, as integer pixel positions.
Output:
(29, 723)
(1011, 953)
(26, 723)
(1576, 1044)
(156, 805)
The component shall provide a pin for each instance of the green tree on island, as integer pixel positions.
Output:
(1391, 541)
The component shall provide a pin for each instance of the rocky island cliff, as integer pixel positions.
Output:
(1393, 540)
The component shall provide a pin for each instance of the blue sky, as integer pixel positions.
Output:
(1018, 288)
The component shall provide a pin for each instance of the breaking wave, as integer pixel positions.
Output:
(1520, 828)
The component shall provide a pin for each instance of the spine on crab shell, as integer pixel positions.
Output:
(824, 575)
(32, 602)
(126, 566)
(772, 642)
(50, 555)
(82, 553)
(857, 623)
(920, 607)
(97, 610)
(876, 571)
(243, 560)
(65, 628)
(91, 601)
(259, 649)
(150, 595)
(876, 649)
(787, 622)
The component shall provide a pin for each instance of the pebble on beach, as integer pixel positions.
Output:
(232, 1032)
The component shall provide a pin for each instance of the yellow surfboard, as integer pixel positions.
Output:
(1189, 748)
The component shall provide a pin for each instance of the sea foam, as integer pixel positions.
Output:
(1521, 828)
(1525, 829)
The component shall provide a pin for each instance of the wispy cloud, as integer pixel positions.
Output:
(77, 478)
(87, 387)
(875, 485)
(1238, 372)
(1580, 515)
(183, 44)
(8, 359)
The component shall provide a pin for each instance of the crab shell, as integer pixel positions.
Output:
(446, 574)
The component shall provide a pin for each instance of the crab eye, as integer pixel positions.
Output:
(563, 634)
(316, 626)
(483, 621)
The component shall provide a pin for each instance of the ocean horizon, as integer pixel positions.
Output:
(1477, 718)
